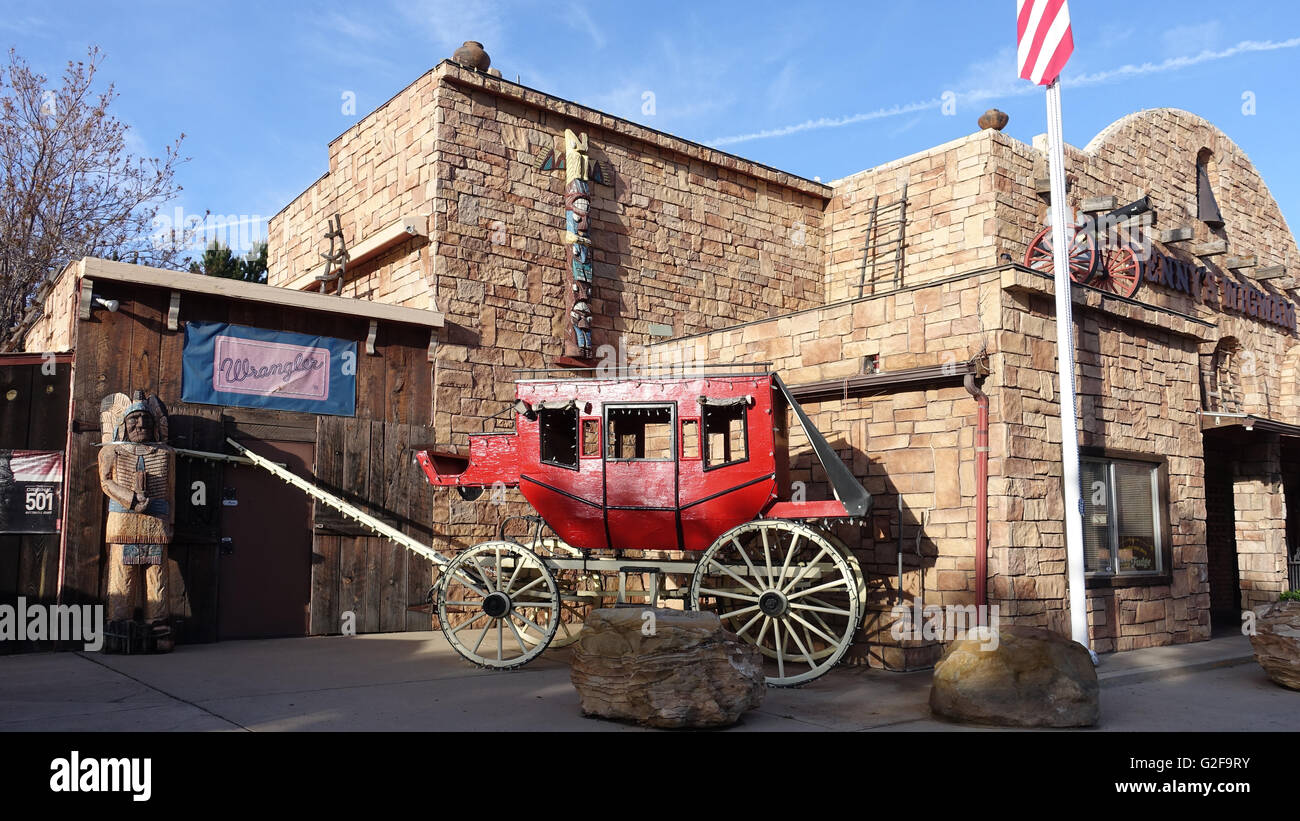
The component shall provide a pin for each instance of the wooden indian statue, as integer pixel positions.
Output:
(137, 470)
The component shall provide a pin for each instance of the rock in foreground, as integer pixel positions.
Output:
(689, 672)
(1277, 642)
(1033, 678)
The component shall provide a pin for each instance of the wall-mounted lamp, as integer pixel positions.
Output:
(111, 305)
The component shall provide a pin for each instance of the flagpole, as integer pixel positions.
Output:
(1065, 369)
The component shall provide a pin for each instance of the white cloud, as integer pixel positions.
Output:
(451, 22)
(999, 75)
(578, 18)
(1191, 38)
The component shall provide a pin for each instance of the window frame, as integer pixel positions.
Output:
(681, 444)
(600, 438)
(607, 440)
(577, 442)
(704, 437)
(1160, 520)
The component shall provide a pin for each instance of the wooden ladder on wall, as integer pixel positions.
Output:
(884, 241)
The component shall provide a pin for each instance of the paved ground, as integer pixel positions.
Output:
(414, 681)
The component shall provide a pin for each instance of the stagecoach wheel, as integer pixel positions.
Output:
(580, 591)
(499, 605)
(1119, 272)
(785, 588)
(1083, 253)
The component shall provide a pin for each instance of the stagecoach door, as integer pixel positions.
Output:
(641, 475)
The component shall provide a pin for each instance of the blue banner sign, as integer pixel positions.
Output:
(238, 366)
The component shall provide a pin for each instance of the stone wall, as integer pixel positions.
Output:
(54, 330)
(1260, 521)
(949, 218)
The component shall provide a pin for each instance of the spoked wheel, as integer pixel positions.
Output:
(1083, 252)
(1118, 273)
(499, 604)
(786, 588)
(581, 591)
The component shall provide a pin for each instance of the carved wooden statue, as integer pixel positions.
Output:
(137, 470)
(580, 170)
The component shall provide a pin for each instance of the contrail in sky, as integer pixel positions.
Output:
(975, 95)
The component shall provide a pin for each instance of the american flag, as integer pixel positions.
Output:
(1043, 39)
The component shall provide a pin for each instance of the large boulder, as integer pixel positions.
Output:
(679, 669)
(1031, 678)
(1277, 642)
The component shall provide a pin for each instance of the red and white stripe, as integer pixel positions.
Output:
(1043, 39)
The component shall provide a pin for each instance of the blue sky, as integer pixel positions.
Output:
(817, 89)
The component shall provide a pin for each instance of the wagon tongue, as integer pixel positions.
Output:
(851, 494)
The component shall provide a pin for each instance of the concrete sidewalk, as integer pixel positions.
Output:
(414, 681)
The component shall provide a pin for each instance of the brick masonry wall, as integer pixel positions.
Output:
(736, 258)
(53, 330)
(949, 219)
(687, 237)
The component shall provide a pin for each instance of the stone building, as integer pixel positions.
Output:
(890, 301)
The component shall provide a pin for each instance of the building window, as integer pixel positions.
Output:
(1207, 208)
(1223, 391)
(558, 432)
(643, 433)
(725, 440)
(1121, 517)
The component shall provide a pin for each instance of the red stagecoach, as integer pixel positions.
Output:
(678, 482)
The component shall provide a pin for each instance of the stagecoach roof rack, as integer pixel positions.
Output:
(665, 371)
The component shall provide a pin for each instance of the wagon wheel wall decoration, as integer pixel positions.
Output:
(1083, 252)
(1118, 273)
(1114, 270)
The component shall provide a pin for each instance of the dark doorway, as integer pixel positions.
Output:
(265, 557)
(1220, 531)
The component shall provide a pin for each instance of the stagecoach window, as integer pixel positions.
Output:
(690, 439)
(590, 437)
(639, 432)
(558, 432)
(725, 439)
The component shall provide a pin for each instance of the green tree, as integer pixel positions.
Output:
(252, 266)
(217, 261)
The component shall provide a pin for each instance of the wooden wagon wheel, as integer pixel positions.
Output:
(1083, 252)
(785, 588)
(1119, 272)
(581, 591)
(506, 606)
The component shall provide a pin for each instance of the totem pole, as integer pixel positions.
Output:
(137, 471)
(579, 172)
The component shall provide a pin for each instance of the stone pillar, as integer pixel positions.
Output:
(1260, 520)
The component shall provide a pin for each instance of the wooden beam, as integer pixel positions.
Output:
(372, 246)
(174, 311)
(255, 292)
(87, 294)
(1094, 204)
(1211, 248)
(1179, 234)
(1271, 272)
